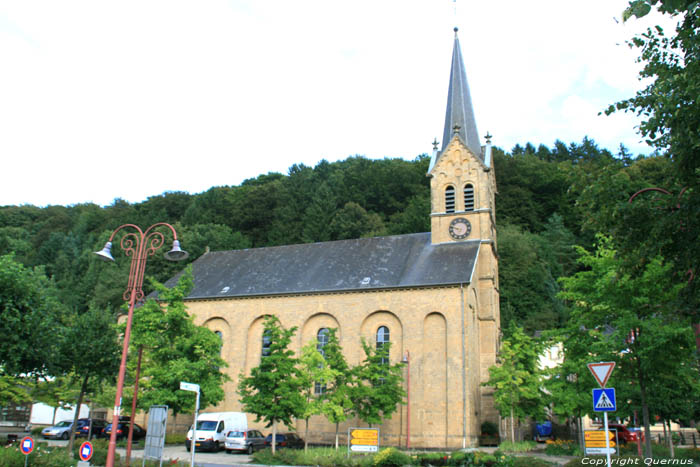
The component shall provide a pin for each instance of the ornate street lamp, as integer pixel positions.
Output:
(139, 245)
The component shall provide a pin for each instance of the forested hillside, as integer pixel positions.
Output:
(549, 199)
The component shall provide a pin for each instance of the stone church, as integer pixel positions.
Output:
(433, 295)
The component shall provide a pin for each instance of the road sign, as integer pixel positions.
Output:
(189, 387)
(603, 450)
(601, 371)
(26, 445)
(85, 451)
(604, 400)
(363, 439)
(597, 435)
(599, 444)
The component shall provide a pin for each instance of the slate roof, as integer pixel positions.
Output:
(346, 265)
(459, 105)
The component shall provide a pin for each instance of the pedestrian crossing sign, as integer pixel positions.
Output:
(604, 400)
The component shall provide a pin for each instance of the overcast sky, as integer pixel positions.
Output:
(102, 100)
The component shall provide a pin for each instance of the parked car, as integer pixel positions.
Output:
(249, 441)
(83, 428)
(60, 430)
(626, 435)
(123, 431)
(285, 440)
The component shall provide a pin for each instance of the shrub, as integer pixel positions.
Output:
(518, 446)
(561, 447)
(40, 457)
(431, 458)
(391, 457)
(36, 431)
(175, 438)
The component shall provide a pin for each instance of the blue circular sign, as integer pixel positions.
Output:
(85, 451)
(26, 445)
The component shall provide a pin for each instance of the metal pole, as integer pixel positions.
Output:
(120, 380)
(408, 400)
(607, 438)
(133, 409)
(194, 429)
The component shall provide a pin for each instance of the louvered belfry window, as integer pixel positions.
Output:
(450, 199)
(469, 197)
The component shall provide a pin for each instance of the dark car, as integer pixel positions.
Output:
(123, 431)
(83, 428)
(626, 435)
(285, 440)
(249, 441)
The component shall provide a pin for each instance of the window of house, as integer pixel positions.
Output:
(321, 341)
(468, 197)
(266, 342)
(382, 338)
(450, 199)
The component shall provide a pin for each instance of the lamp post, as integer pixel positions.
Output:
(407, 361)
(139, 245)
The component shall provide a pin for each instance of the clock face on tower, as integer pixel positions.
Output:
(460, 228)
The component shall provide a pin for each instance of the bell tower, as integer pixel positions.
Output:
(462, 185)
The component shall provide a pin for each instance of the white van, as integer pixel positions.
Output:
(211, 429)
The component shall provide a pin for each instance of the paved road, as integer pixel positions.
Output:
(178, 452)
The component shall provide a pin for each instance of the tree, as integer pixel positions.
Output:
(633, 315)
(516, 380)
(59, 392)
(670, 109)
(313, 371)
(273, 390)
(31, 320)
(378, 388)
(337, 404)
(175, 350)
(12, 390)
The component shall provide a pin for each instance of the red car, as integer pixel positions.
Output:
(626, 435)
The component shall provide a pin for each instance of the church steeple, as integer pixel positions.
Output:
(459, 117)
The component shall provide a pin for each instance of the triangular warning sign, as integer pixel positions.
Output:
(601, 371)
(604, 402)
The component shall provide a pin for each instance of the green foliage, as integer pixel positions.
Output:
(32, 320)
(272, 392)
(391, 457)
(175, 438)
(517, 447)
(323, 457)
(12, 391)
(563, 448)
(378, 385)
(41, 456)
(517, 379)
(175, 350)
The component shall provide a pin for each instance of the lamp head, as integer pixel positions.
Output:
(176, 253)
(105, 254)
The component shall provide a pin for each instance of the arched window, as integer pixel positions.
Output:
(468, 197)
(382, 338)
(266, 342)
(321, 341)
(450, 199)
(221, 340)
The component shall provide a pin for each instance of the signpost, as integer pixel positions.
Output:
(193, 388)
(603, 400)
(595, 442)
(26, 446)
(363, 439)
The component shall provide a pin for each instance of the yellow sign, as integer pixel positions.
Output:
(364, 441)
(597, 435)
(365, 434)
(599, 444)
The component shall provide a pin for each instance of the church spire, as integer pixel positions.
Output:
(459, 117)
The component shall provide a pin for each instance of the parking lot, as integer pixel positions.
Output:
(178, 452)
